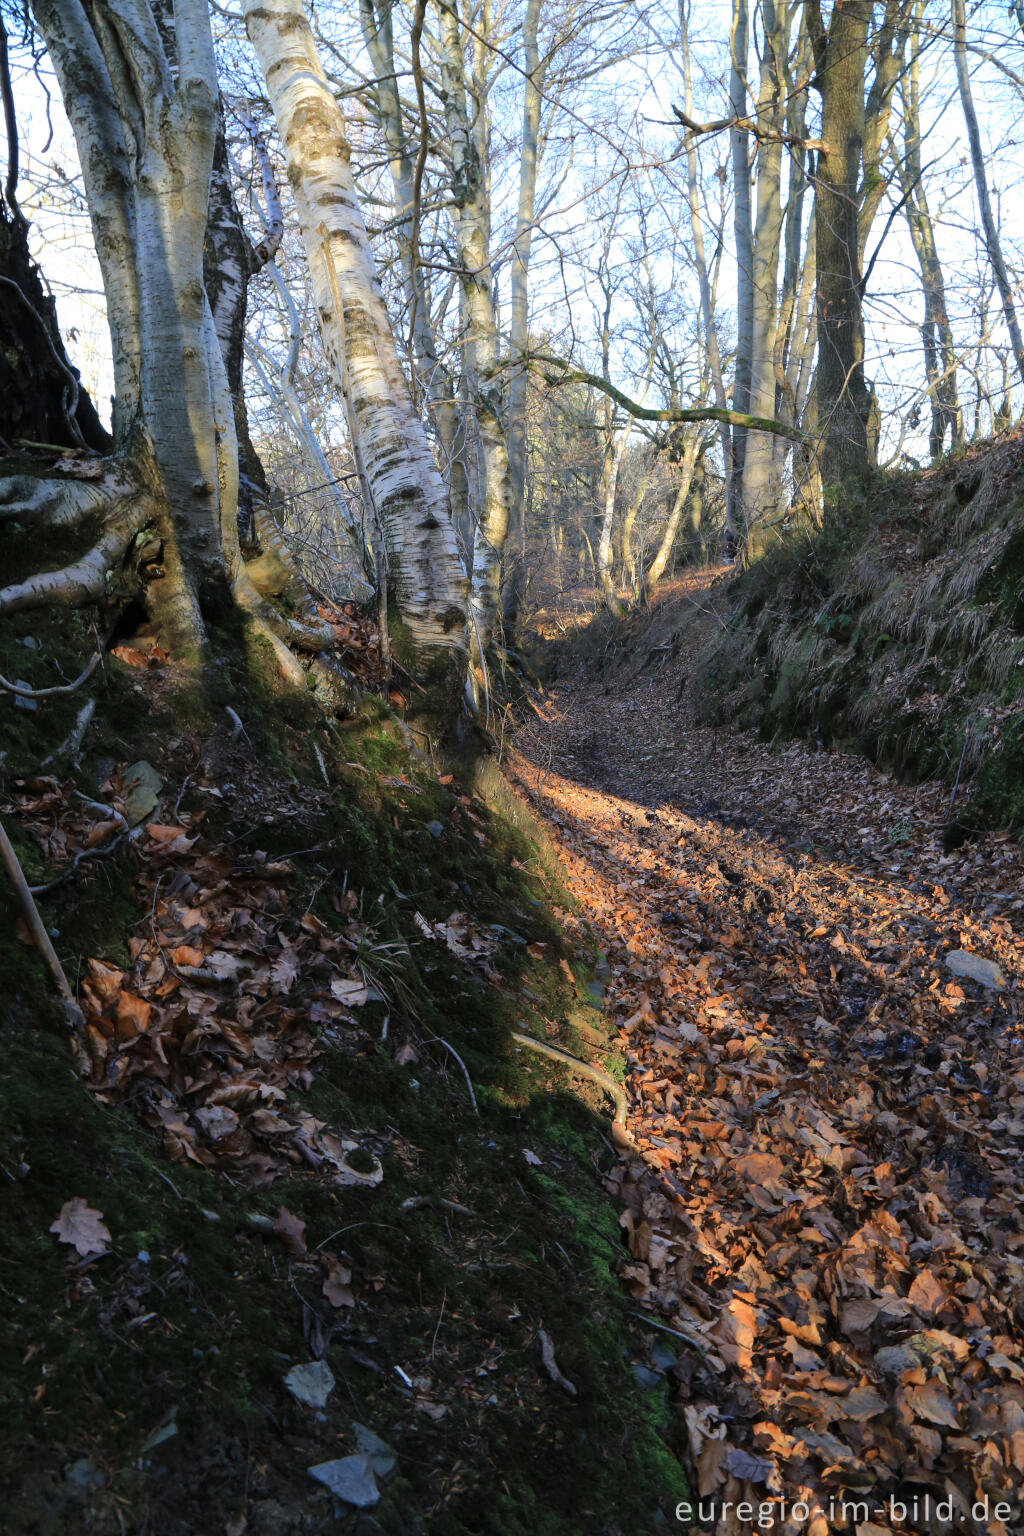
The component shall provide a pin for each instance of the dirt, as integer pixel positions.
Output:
(827, 1125)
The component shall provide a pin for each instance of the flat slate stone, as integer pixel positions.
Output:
(382, 1457)
(962, 963)
(351, 1479)
(311, 1384)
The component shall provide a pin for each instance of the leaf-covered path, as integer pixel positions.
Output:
(826, 1199)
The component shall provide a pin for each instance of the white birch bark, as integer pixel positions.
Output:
(761, 486)
(656, 569)
(472, 236)
(519, 310)
(714, 355)
(408, 493)
(613, 460)
(378, 37)
(145, 124)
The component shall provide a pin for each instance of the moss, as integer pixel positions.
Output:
(875, 633)
(196, 1310)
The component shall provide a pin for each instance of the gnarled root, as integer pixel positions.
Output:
(56, 502)
(85, 580)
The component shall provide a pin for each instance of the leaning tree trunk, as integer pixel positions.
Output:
(656, 570)
(519, 307)
(437, 382)
(428, 583)
(472, 237)
(992, 241)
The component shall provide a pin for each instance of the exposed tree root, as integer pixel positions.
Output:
(21, 692)
(56, 502)
(85, 581)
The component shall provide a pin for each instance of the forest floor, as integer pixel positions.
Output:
(824, 1196)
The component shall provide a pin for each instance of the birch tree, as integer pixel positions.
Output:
(467, 139)
(140, 89)
(408, 494)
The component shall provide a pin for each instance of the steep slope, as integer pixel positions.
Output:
(298, 1132)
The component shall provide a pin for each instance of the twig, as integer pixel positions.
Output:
(79, 858)
(462, 1064)
(960, 769)
(239, 728)
(186, 781)
(440, 1320)
(602, 1079)
(686, 1338)
(72, 1012)
(20, 691)
(71, 746)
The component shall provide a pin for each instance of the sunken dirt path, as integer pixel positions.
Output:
(827, 1202)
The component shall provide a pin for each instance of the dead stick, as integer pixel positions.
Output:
(72, 1012)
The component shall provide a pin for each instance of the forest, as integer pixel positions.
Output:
(511, 767)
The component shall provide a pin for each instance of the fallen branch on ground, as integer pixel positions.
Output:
(37, 928)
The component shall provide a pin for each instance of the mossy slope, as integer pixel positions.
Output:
(143, 1390)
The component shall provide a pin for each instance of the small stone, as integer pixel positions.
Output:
(435, 828)
(82, 1474)
(142, 785)
(896, 1359)
(19, 702)
(350, 1479)
(311, 1384)
(32, 644)
(645, 1376)
(382, 1457)
(962, 963)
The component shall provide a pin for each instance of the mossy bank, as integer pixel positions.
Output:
(143, 1391)
(897, 631)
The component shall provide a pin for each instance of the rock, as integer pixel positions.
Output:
(30, 642)
(646, 1378)
(435, 828)
(311, 1384)
(962, 963)
(382, 1457)
(896, 1359)
(19, 702)
(351, 1479)
(82, 1475)
(142, 786)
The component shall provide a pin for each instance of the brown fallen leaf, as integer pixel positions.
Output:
(82, 1228)
(291, 1231)
(336, 1287)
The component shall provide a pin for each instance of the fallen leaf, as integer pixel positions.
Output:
(82, 1228)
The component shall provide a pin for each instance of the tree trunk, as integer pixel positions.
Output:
(992, 241)
(409, 496)
(704, 285)
(519, 313)
(437, 381)
(656, 569)
(614, 453)
(762, 489)
(844, 400)
(936, 331)
(744, 238)
(472, 238)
